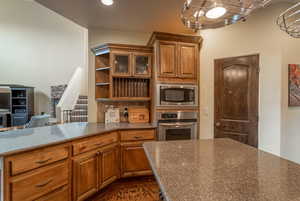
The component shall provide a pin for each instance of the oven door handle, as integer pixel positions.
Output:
(177, 124)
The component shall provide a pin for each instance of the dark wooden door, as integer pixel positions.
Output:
(236, 99)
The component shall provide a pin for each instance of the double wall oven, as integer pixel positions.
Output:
(177, 125)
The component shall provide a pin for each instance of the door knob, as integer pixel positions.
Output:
(218, 124)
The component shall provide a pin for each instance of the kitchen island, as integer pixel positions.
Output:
(70, 162)
(221, 169)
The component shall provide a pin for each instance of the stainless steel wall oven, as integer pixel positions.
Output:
(177, 126)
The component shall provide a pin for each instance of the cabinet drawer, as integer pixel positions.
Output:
(39, 183)
(31, 160)
(136, 135)
(62, 194)
(94, 143)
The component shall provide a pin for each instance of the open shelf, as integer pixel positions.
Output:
(102, 61)
(102, 84)
(103, 68)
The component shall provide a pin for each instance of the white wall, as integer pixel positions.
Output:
(39, 48)
(98, 37)
(261, 35)
(290, 136)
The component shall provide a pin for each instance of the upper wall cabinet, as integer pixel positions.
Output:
(121, 64)
(187, 60)
(142, 64)
(123, 72)
(167, 59)
(177, 57)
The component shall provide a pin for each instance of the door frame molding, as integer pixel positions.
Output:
(258, 93)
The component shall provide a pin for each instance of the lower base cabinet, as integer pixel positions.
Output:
(76, 170)
(62, 194)
(93, 171)
(134, 161)
(85, 176)
(109, 165)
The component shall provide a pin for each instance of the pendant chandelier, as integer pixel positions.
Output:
(206, 14)
(289, 21)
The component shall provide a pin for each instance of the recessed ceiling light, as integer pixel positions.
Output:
(216, 12)
(107, 2)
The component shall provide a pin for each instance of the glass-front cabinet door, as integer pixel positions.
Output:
(121, 64)
(142, 65)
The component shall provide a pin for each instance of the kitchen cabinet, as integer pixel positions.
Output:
(85, 173)
(128, 64)
(109, 165)
(177, 60)
(76, 169)
(142, 64)
(167, 59)
(187, 60)
(94, 170)
(176, 57)
(122, 69)
(134, 160)
(121, 64)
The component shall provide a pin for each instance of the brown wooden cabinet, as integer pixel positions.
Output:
(142, 64)
(85, 175)
(76, 170)
(121, 63)
(167, 59)
(94, 170)
(187, 60)
(177, 60)
(122, 72)
(133, 158)
(134, 161)
(109, 164)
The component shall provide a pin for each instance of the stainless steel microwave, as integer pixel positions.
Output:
(177, 95)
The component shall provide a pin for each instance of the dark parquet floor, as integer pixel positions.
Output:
(131, 189)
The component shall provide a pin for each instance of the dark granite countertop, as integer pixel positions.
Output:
(26, 139)
(221, 170)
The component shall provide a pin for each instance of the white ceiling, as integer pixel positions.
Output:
(129, 15)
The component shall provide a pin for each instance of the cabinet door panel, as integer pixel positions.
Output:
(134, 161)
(85, 176)
(121, 64)
(187, 61)
(110, 166)
(167, 59)
(142, 64)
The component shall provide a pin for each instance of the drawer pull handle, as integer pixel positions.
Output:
(44, 184)
(137, 137)
(43, 161)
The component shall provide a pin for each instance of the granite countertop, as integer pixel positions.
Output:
(221, 169)
(25, 139)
